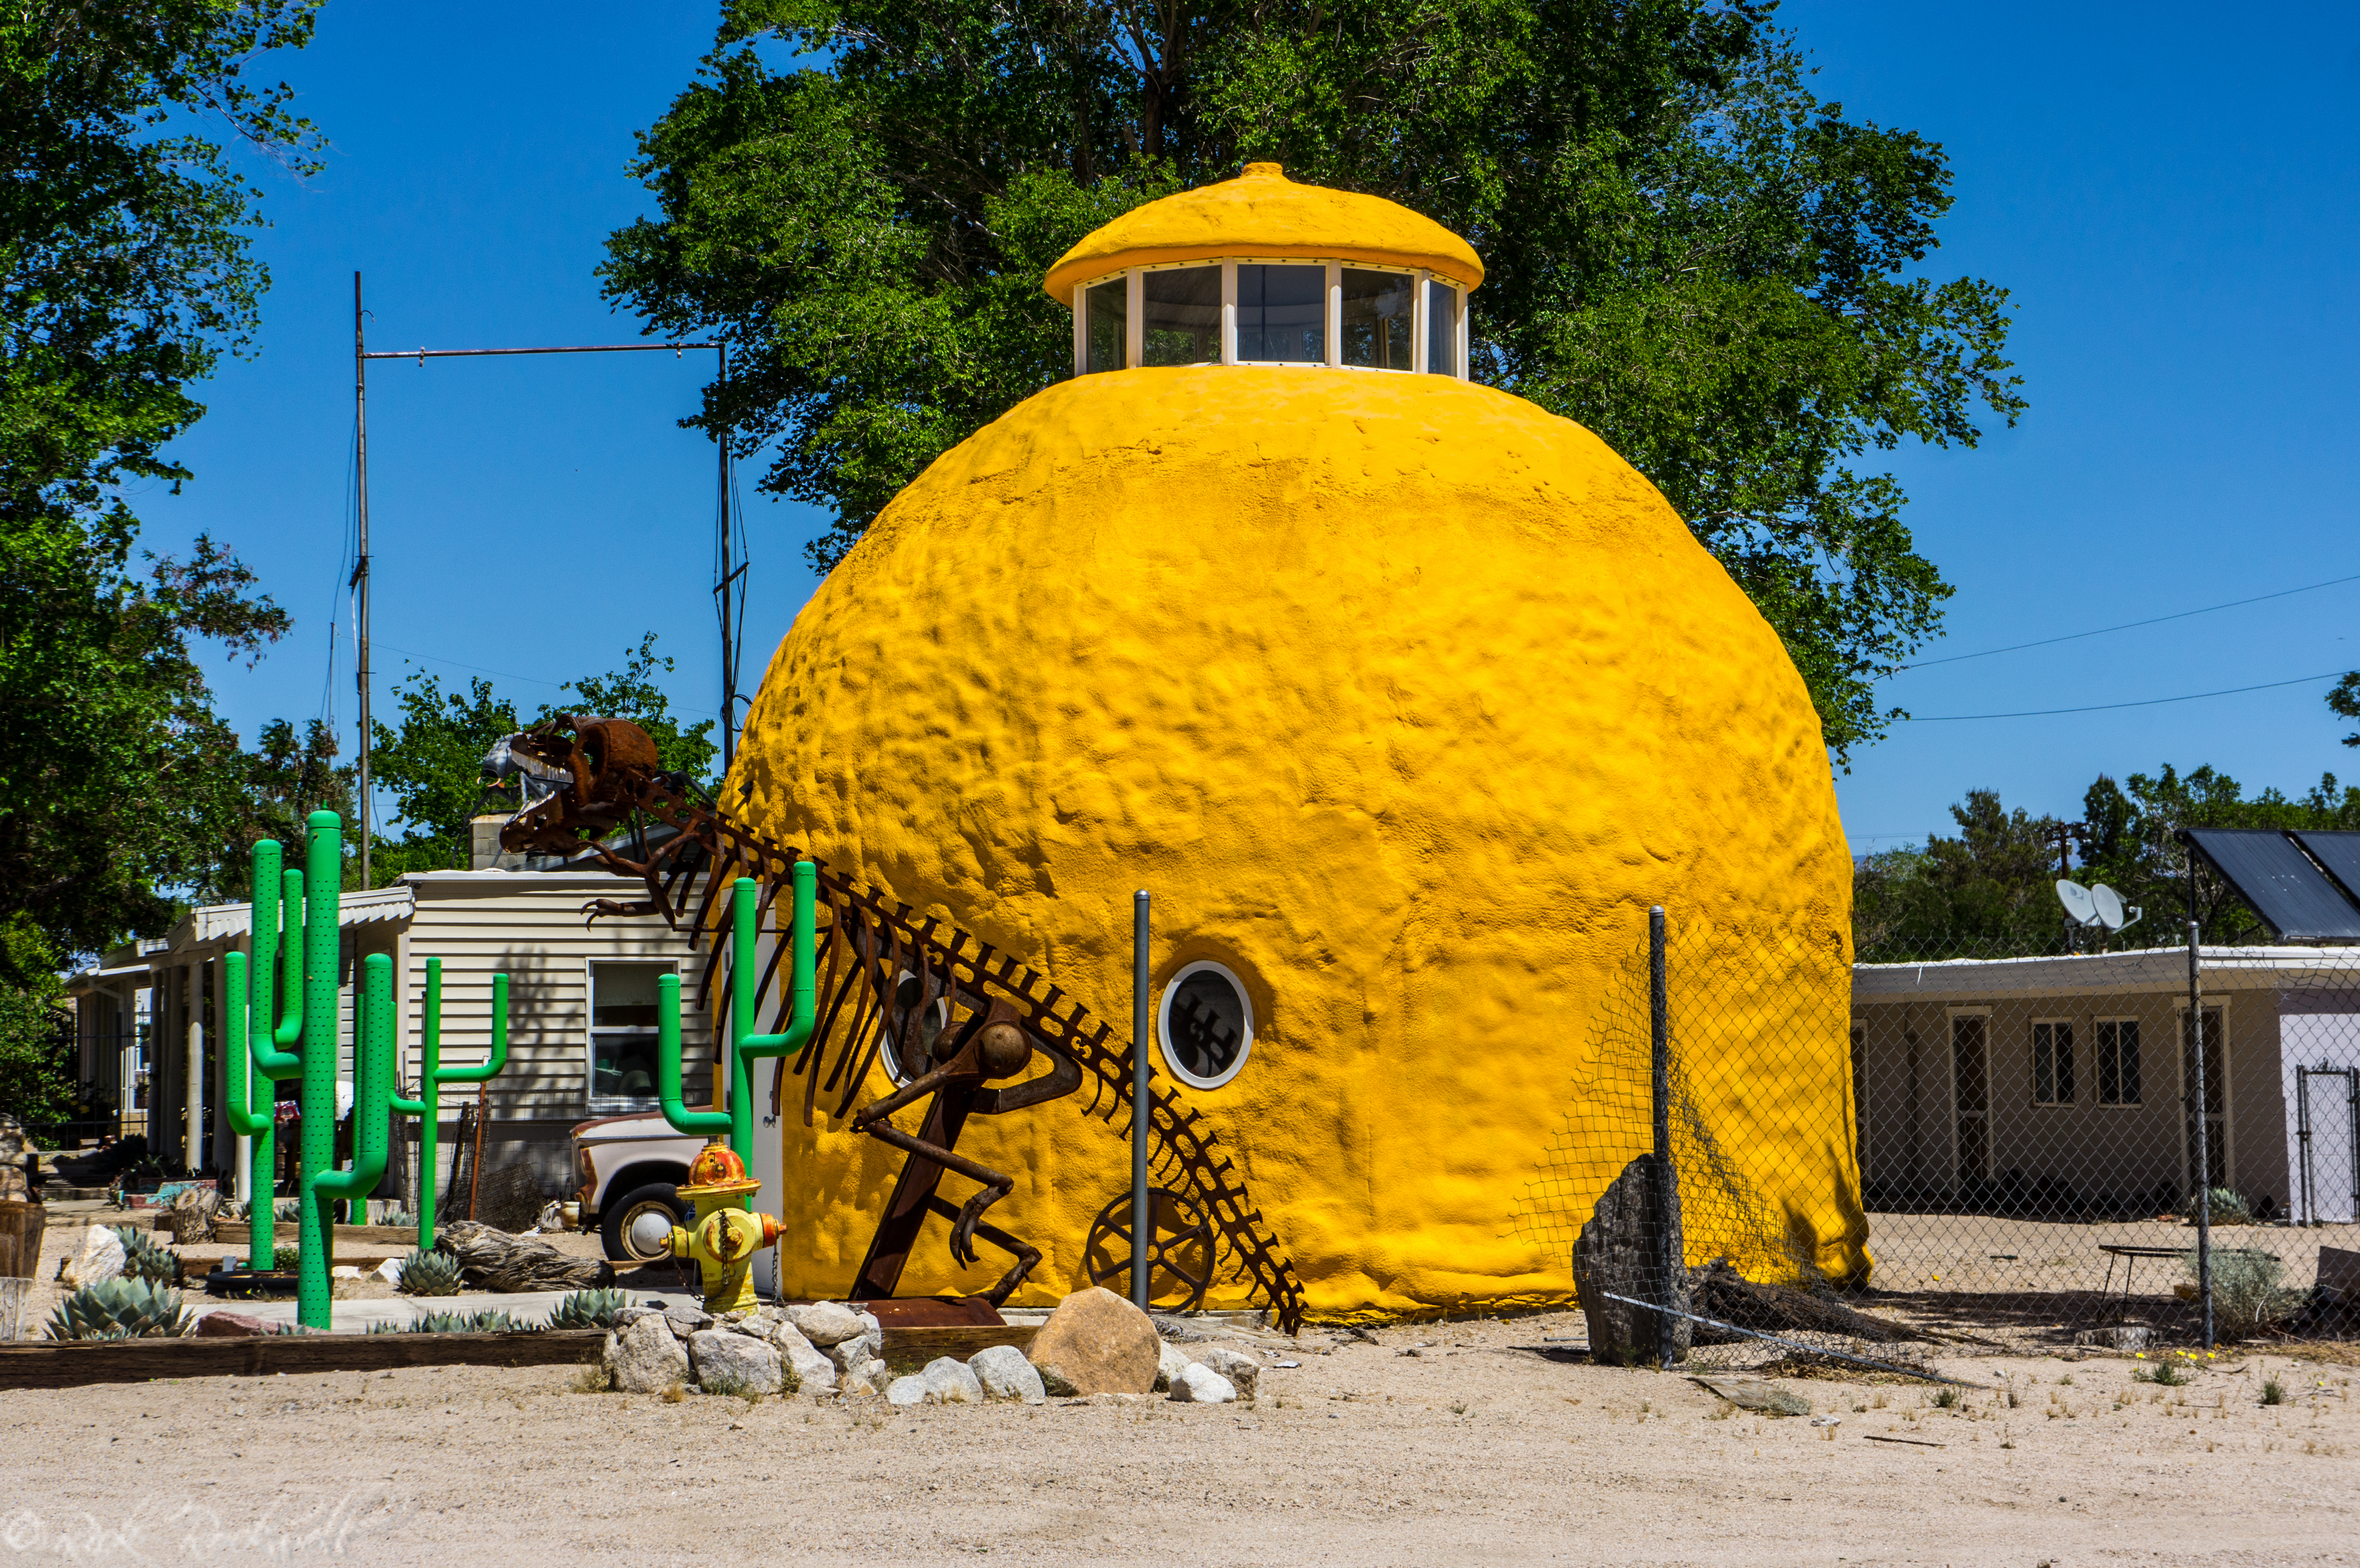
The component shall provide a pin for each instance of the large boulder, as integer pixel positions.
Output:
(1005, 1375)
(644, 1357)
(1098, 1344)
(726, 1363)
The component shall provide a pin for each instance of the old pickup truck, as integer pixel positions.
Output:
(629, 1169)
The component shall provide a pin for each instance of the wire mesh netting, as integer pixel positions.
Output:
(1793, 1156)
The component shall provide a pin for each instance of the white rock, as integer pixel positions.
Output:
(729, 1363)
(1006, 1374)
(815, 1373)
(1203, 1386)
(686, 1320)
(100, 1258)
(390, 1271)
(868, 1377)
(906, 1391)
(1169, 1364)
(948, 1382)
(645, 1359)
(862, 1347)
(825, 1323)
(345, 1271)
(1240, 1369)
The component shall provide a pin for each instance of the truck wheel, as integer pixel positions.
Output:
(616, 1224)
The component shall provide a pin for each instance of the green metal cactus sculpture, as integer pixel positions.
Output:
(745, 1046)
(428, 1107)
(253, 1038)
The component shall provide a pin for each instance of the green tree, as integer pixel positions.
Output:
(1686, 250)
(38, 1076)
(285, 778)
(2345, 703)
(432, 763)
(126, 271)
(1990, 892)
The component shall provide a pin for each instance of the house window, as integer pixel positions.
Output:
(2052, 1064)
(623, 1037)
(1206, 1025)
(2117, 1044)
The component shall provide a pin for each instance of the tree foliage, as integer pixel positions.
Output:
(1686, 250)
(431, 764)
(1991, 891)
(126, 270)
(2344, 701)
(38, 1081)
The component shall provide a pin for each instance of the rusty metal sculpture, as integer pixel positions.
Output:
(606, 774)
(955, 1021)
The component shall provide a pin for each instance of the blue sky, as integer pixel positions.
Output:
(2172, 200)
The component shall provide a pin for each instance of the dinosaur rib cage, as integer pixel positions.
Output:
(863, 935)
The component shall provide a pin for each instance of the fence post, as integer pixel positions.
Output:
(1659, 1026)
(2203, 1137)
(1143, 1210)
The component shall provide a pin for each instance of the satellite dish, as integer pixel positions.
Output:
(2111, 913)
(2080, 907)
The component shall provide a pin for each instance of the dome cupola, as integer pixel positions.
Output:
(1262, 270)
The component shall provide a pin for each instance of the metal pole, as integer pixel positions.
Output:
(1143, 1217)
(2306, 1212)
(361, 567)
(2203, 1133)
(1659, 1028)
(725, 587)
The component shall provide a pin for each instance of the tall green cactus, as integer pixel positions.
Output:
(265, 1059)
(428, 1107)
(744, 1046)
(308, 973)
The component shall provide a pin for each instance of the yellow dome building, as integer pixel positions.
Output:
(1403, 698)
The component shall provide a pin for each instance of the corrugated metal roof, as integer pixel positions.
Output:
(212, 925)
(2090, 973)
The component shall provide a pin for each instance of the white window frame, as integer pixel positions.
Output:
(590, 1030)
(2117, 1019)
(2032, 1062)
(1135, 313)
(1163, 1025)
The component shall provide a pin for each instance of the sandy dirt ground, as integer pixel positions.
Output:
(1495, 1443)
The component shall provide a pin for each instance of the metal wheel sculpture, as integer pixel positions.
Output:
(1179, 1252)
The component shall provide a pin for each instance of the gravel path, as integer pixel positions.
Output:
(1494, 1443)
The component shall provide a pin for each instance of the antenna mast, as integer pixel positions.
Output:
(360, 581)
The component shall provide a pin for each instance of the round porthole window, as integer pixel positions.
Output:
(1204, 1026)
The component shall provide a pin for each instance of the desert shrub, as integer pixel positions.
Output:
(2248, 1294)
(2228, 1207)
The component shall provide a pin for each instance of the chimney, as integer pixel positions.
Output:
(487, 856)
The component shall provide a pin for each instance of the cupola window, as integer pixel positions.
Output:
(1181, 316)
(1282, 315)
(1106, 331)
(1380, 313)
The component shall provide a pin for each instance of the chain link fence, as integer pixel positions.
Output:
(1769, 1155)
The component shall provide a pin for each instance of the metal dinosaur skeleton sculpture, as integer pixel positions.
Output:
(957, 1022)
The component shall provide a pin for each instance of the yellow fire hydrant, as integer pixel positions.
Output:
(725, 1236)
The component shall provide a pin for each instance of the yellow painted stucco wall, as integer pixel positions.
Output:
(1405, 699)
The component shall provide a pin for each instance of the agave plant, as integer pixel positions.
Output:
(430, 1274)
(466, 1323)
(144, 1259)
(121, 1309)
(589, 1309)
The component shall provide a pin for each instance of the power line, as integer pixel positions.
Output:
(2129, 626)
(2103, 707)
